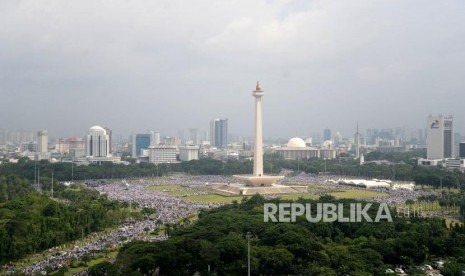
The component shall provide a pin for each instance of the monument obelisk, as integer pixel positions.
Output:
(258, 179)
(258, 152)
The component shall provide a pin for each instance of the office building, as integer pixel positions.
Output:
(42, 142)
(162, 154)
(219, 133)
(29, 147)
(110, 139)
(188, 153)
(143, 141)
(439, 137)
(462, 150)
(194, 135)
(73, 146)
(156, 137)
(167, 140)
(97, 142)
(327, 134)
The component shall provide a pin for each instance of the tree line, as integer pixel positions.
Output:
(404, 168)
(32, 221)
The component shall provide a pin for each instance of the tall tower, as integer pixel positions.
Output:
(258, 93)
(219, 133)
(42, 146)
(258, 179)
(357, 144)
(439, 137)
(97, 142)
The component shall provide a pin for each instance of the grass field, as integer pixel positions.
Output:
(213, 198)
(297, 196)
(171, 190)
(188, 194)
(356, 194)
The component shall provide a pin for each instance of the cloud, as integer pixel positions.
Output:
(176, 64)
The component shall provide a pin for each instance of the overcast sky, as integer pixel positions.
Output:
(171, 65)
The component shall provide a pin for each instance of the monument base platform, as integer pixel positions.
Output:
(259, 181)
(241, 189)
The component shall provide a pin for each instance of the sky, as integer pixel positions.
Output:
(169, 65)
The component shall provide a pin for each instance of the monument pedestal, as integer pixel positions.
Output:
(235, 189)
(259, 181)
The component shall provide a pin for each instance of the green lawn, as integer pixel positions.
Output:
(297, 196)
(357, 194)
(213, 198)
(175, 190)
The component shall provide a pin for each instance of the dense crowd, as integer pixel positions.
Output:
(393, 197)
(172, 208)
(130, 231)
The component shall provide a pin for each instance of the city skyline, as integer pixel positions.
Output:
(175, 65)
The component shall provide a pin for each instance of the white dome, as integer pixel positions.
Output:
(97, 130)
(296, 142)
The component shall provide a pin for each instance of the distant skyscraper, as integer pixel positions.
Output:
(142, 142)
(110, 139)
(157, 138)
(42, 144)
(219, 133)
(194, 135)
(462, 150)
(439, 137)
(97, 142)
(326, 134)
(357, 143)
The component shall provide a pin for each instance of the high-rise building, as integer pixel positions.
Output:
(439, 137)
(97, 142)
(156, 137)
(168, 140)
(42, 144)
(462, 150)
(326, 134)
(143, 141)
(110, 140)
(219, 133)
(194, 135)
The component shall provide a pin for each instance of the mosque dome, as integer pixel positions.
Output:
(296, 142)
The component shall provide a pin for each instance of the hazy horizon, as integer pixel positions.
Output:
(174, 65)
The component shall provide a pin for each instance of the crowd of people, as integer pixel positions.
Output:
(170, 209)
(392, 196)
(61, 256)
(173, 208)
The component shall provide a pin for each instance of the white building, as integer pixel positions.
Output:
(297, 149)
(97, 142)
(162, 154)
(451, 163)
(439, 137)
(188, 153)
(155, 138)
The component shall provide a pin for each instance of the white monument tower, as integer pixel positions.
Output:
(258, 179)
(258, 153)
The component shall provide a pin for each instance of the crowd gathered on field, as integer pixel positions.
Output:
(171, 208)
